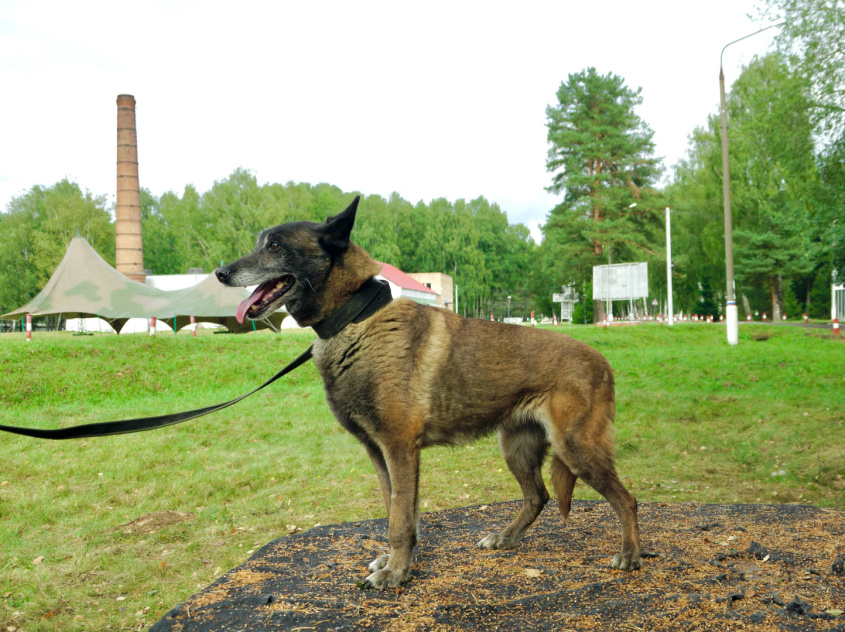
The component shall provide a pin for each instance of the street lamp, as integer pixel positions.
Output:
(731, 314)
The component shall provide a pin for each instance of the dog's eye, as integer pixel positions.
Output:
(274, 246)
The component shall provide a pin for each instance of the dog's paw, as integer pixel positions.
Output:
(385, 578)
(496, 541)
(379, 563)
(627, 561)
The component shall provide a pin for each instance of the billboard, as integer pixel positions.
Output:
(620, 281)
(567, 295)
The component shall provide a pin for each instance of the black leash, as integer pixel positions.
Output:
(366, 301)
(107, 428)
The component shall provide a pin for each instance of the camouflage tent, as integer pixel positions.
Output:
(85, 286)
(212, 302)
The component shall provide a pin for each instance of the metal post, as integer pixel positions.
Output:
(731, 314)
(669, 308)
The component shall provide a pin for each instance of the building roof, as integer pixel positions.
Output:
(397, 277)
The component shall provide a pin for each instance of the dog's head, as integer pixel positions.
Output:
(292, 265)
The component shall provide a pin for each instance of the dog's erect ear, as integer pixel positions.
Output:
(336, 230)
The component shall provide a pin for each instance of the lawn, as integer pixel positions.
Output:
(697, 421)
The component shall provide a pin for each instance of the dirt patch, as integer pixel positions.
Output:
(709, 567)
(150, 523)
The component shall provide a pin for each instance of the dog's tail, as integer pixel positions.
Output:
(563, 481)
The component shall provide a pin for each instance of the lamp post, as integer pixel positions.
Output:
(731, 314)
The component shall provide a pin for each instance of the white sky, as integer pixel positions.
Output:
(433, 99)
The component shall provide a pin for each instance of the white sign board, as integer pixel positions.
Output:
(567, 295)
(620, 281)
(567, 298)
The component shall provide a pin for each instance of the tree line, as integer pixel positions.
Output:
(472, 241)
(787, 157)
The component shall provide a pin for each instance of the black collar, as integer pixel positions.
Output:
(366, 301)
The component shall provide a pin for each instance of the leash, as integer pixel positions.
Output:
(372, 296)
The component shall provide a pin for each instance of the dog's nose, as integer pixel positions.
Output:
(223, 274)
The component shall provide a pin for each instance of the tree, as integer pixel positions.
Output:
(698, 220)
(602, 159)
(775, 176)
(163, 252)
(36, 231)
(378, 235)
(831, 207)
(472, 241)
(169, 233)
(811, 38)
(775, 193)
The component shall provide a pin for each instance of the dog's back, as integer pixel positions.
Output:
(461, 377)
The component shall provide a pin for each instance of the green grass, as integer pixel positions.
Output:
(697, 421)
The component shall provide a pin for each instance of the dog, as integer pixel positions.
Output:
(412, 376)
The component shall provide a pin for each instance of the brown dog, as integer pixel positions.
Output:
(412, 376)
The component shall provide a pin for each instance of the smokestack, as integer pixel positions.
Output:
(129, 254)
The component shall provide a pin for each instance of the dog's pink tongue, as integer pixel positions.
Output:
(243, 308)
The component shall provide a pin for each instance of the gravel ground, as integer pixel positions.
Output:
(708, 567)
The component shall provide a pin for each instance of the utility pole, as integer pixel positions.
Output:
(669, 268)
(731, 313)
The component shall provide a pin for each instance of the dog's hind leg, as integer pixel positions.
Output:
(585, 447)
(606, 482)
(524, 448)
(403, 467)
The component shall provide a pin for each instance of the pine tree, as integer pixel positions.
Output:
(602, 159)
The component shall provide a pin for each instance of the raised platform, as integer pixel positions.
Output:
(710, 567)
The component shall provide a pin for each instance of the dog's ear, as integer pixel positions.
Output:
(336, 230)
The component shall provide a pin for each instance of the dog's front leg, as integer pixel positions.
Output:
(403, 468)
(383, 476)
(382, 473)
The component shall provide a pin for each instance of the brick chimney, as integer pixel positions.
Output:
(129, 254)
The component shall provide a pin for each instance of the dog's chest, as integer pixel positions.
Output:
(378, 366)
(350, 375)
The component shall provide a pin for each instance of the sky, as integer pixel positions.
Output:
(427, 99)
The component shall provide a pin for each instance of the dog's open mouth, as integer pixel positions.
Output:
(264, 295)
